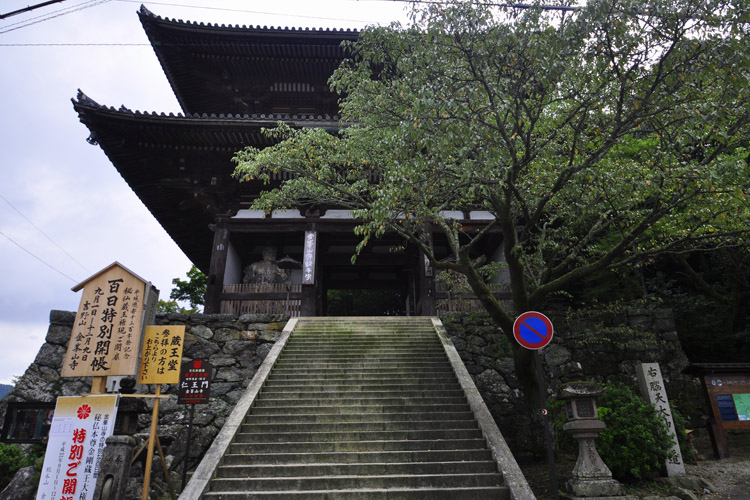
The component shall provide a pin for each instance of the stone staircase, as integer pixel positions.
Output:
(360, 408)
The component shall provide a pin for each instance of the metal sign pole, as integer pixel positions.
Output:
(547, 428)
(187, 447)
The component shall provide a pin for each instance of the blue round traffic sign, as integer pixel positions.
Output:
(533, 330)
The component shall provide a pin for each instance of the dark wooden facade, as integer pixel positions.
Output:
(230, 82)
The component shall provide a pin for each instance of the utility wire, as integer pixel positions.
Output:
(44, 234)
(492, 4)
(37, 258)
(224, 9)
(47, 17)
(29, 8)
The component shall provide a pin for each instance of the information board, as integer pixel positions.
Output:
(195, 383)
(77, 437)
(162, 354)
(107, 329)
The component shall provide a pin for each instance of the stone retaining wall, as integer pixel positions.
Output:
(587, 345)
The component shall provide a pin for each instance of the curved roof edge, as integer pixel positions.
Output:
(82, 99)
(144, 13)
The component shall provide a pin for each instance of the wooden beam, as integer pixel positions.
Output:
(215, 278)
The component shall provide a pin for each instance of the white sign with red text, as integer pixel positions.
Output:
(79, 431)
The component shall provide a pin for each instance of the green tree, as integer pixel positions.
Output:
(598, 139)
(193, 291)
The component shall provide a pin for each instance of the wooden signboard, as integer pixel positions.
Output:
(308, 260)
(195, 383)
(727, 387)
(80, 428)
(107, 330)
(161, 357)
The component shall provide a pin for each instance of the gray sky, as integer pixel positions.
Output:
(65, 212)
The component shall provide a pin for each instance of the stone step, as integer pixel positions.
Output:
(376, 362)
(351, 446)
(480, 493)
(359, 384)
(359, 408)
(321, 394)
(356, 409)
(306, 353)
(377, 469)
(393, 435)
(362, 377)
(362, 400)
(341, 482)
(359, 418)
(362, 372)
(365, 457)
(362, 426)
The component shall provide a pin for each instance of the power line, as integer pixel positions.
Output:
(37, 258)
(224, 9)
(44, 234)
(47, 17)
(29, 8)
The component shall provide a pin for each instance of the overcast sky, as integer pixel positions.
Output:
(65, 212)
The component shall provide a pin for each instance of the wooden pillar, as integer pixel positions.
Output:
(310, 277)
(427, 290)
(215, 278)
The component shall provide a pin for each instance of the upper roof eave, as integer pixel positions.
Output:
(82, 102)
(147, 17)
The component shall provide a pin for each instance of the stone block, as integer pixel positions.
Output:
(226, 334)
(58, 334)
(556, 355)
(50, 355)
(66, 318)
(201, 331)
(220, 361)
(263, 351)
(597, 488)
(21, 487)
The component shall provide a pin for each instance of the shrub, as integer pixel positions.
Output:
(636, 442)
(12, 458)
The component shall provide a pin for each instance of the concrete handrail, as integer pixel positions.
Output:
(206, 470)
(506, 463)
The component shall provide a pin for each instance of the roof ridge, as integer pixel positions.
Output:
(145, 12)
(82, 99)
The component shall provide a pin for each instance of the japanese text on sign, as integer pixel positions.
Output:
(652, 388)
(107, 328)
(308, 258)
(195, 383)
(79, 431)
(162, 354)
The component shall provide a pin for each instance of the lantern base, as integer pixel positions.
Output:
(595, 488)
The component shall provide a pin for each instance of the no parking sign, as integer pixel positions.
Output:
(533, 330)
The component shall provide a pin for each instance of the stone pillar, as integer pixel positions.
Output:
(652, 389)
(114, 469)
(215, 278)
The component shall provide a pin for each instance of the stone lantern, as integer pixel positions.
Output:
(114, 467)
(591, 476)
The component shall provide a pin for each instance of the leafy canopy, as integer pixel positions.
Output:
(193, 291)
(596, 139)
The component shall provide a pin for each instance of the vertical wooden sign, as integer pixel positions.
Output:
(161, 357)
(107, 329)
(308, 262)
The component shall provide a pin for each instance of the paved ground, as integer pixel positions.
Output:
(731, 476)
